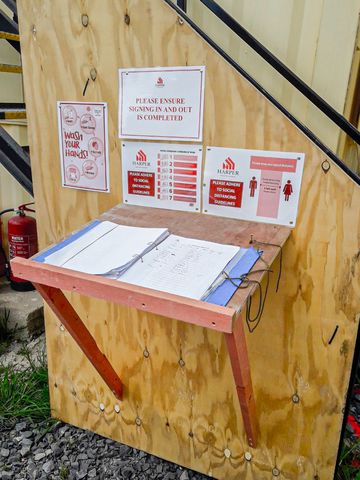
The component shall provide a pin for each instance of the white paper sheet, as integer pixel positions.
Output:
(112, 246)
(181, 266)
(163, 103)
(63, 255)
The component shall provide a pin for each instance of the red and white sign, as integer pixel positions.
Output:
(162, 175)
(162, 103)
(253, 185)
(83, 145)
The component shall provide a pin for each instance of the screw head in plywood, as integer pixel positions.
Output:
(295, 398)
(180, 21)
(102, 407)
(127, 19)
(93, 74)
(146, 353)
(227, 453)
(138, 421)
(248, 456)
(275, 472)
(325, 165)
(62, 328)
(117, 408)
(181, 363)
(85, 20)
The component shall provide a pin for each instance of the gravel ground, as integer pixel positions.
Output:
(15, 357)
(29, 452)
(66, 452)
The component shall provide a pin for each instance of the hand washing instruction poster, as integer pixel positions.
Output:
(162, 103)
(253, 185)
(162, 175)
(83, 145)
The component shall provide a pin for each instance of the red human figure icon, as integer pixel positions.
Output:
(287, 190)
(252, 186)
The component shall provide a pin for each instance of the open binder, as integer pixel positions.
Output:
(153, 258)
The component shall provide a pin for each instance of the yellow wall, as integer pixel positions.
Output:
(315, 39)
(11, 90)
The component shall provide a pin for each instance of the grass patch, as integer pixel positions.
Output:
(349, 461)
(24, 394)
(5, 331)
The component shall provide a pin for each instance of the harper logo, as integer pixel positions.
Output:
(141, 156)
(141, 159)
(228, 167)
(159, 82)
(229, 164)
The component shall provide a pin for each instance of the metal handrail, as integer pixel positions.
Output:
(15, 160)
(283, 70)
(266, 94)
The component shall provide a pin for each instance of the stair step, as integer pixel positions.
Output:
(10, 36)
(12, 114)
(10, 68)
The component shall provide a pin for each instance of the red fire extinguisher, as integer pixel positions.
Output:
(22, 239)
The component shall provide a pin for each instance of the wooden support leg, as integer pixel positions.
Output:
(62, 308)
(236, 344)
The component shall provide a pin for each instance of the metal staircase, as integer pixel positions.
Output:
(314, 98)
(13, 157)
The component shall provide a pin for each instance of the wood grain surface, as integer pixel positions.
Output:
(183, 404)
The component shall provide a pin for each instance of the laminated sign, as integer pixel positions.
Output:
(83, 145)
(253, 185)
(163, 103)
(162, 175)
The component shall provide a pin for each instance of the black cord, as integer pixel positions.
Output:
(281, 258)
(261, 306)
(2, 251)
(6, 262)
(245, 283)
(7, 210)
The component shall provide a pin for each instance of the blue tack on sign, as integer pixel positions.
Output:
(74, 236)
(226, 290)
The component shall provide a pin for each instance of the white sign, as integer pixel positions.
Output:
(163, 103)
(256, 185)
(83, 134)
(162, 175)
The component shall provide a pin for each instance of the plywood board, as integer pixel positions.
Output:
(182, 403)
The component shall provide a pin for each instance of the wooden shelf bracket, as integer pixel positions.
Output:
(65, 312)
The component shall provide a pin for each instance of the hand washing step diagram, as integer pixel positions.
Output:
(83, 137)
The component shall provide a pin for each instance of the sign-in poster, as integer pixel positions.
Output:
(255, 185)
(162, 175)
(162, 103)
(83, 145)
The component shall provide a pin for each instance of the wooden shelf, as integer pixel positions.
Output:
(51, 280)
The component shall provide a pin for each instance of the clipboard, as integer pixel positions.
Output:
(223, 293)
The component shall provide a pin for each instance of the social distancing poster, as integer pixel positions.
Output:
(83, 134)
(162, 175)
(253, 185)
